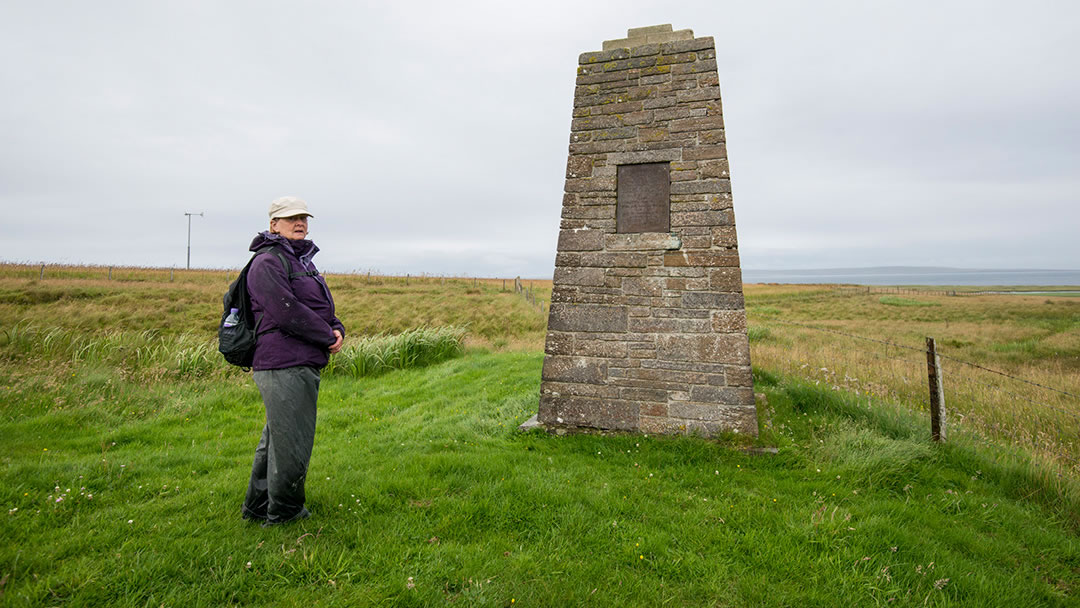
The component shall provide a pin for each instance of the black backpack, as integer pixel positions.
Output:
(239, 328)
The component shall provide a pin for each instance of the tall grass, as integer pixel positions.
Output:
(1033, 338)
(374, 355)
(149, 355)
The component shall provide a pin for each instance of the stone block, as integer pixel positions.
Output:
(652, 134)
(603, 56)
(725, 395)
(579, 276)
(599, 147)
(716, 168)
(705, 152)
(701, 259)
(641, 241)
(644, 156)
(630, 64)
(704, 186)
(617, 133)
(645, 49)
(742, 418)
(585, 412)
(713, 300)
(580, 240)
(589, 78)
(643, 286)
(684, 284)
(697, 94)
(729, 321)
(655, 70)
(590, 184)
(574, 369)
(705, 123)
(606, 260)
(739, 375)
(579, 166)
(726, 280)
(651, 325)
(619, 108)
(711, 137)
(725, 236)
(697, 242)
(704, 43)
(589, 123)
(709, 348)
(559, 343)
(587, 318)
(670, 37)
(644, 394)
(592, 212)
(701, 66)
(664, 59)
(600, 348)
(641, 32)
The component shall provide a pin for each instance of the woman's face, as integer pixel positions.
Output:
(293, 228)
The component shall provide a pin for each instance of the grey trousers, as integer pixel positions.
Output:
(276, 490)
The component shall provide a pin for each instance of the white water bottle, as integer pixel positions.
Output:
(233, 319)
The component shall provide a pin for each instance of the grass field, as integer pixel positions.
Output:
(122, 473)
(1034, 338)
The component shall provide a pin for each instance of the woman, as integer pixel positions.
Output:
(297, 334)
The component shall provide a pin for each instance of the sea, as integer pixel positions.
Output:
(918, 275)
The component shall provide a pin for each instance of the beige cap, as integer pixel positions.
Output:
(288, 206)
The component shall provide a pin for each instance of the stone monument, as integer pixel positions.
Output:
(647, 327)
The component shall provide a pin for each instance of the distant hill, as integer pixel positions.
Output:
(916, 275)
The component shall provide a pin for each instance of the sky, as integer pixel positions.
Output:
(432, 137)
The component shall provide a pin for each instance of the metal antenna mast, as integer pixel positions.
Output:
(189, 236)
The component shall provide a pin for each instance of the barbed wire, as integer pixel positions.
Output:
(923, 350)
(1023, 398)
(1000, 373)
(841, 333)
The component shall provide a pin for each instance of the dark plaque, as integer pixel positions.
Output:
(643, 203)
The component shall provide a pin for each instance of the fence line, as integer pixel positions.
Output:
(924, 350)
(995, 428)
(987, 369)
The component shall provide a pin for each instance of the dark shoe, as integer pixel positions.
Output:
(303, 514)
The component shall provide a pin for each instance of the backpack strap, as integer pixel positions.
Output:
(285, 263)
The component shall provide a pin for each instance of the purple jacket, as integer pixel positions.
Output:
(297, 314)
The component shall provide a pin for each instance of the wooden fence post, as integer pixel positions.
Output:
(110, 273)
(937, 392)
(170, 275)
(42, 278)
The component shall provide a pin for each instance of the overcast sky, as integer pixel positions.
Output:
(431, 137)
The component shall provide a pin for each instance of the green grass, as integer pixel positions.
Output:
(423, 493)
(898, 301)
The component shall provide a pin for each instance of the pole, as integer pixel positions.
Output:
(937, 392)
(189, 236)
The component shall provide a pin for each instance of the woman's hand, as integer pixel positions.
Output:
(336, 346)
